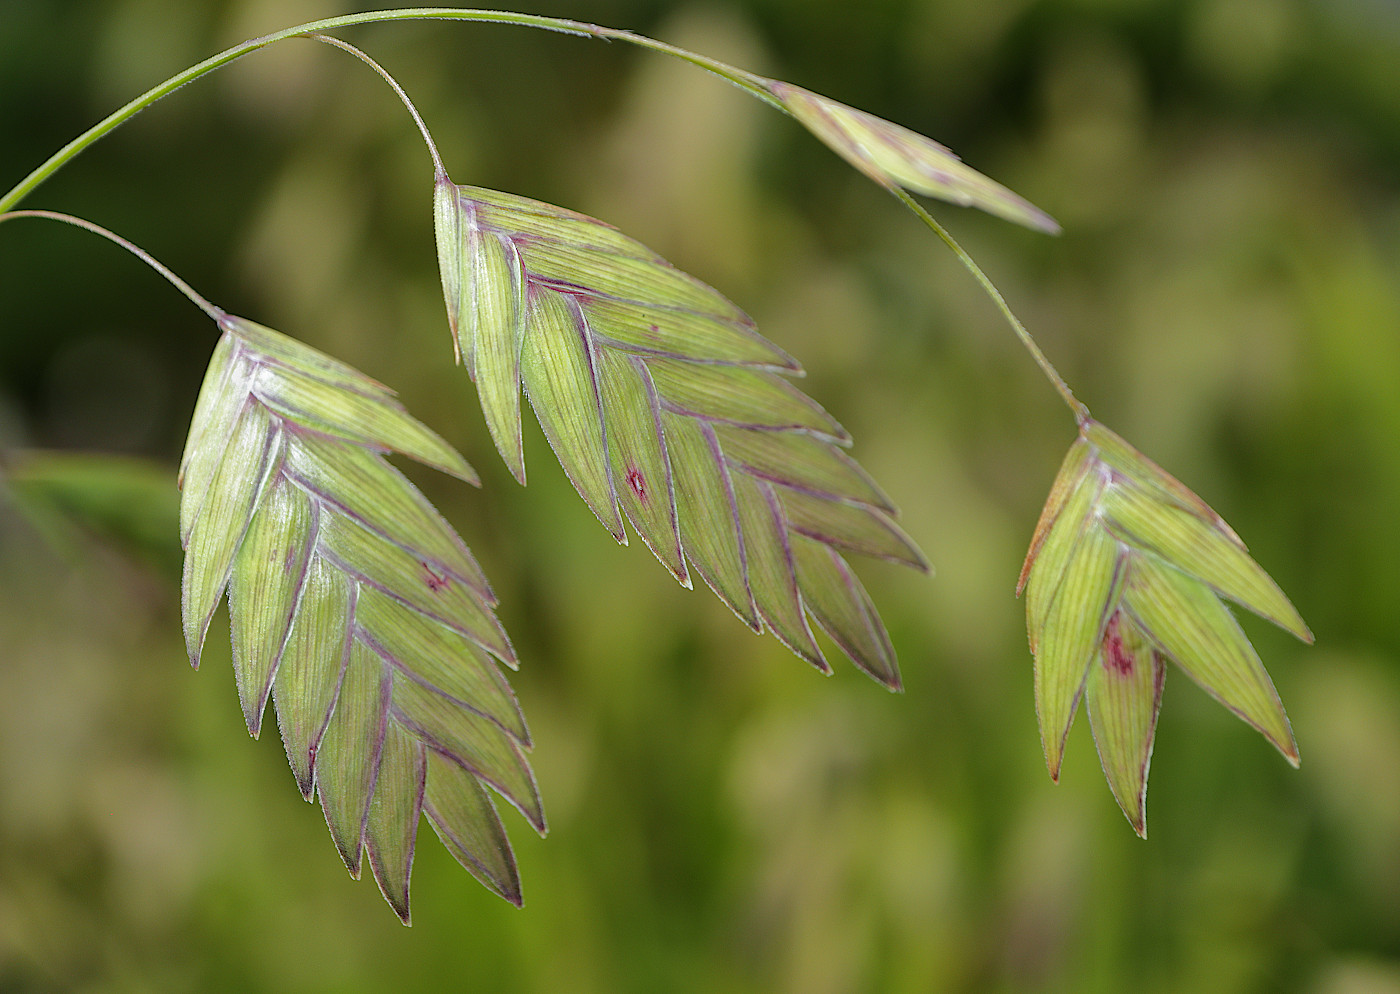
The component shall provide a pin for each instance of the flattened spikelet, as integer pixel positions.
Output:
(1127, 570)
(667, 410)
(354, 605)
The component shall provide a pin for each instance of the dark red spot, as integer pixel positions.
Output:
(435, 581)
(637, 482)
(1115, 657)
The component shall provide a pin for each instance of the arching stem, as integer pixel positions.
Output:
(744, 80)
(140, 253)
(752, 84)
(384, 73)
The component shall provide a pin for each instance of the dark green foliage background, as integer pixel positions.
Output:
(1226, 295)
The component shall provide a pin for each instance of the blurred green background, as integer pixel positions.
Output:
(1226, 295)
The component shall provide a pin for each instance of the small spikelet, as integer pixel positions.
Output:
(898, 158)
(1127, 570)
(354, 605)
(667, 410)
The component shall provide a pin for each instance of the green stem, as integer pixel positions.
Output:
(754, 85)
(345, 46)
(747, 81)
(140, 253)
(750, 83)
(1081, 413)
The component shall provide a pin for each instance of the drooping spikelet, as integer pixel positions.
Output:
(897, 158)
(1128, 569)
(666, 408)
(354, 604)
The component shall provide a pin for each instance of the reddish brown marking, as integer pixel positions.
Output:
(637, 482)
(434, 580)
(1115, 657)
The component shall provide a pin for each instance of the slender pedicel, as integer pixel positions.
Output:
(438, 167)
(140, 253)
(1081, 413)
(121, 115)
(752, 84)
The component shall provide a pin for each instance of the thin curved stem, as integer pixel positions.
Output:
(394, 84)
(746, 81)
(753, 84)
(1081, 413)
(750, 83)
(199, 301)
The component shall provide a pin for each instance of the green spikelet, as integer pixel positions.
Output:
(354, 605)
(667, 409)
(1128, 569)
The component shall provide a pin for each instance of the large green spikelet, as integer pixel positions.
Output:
(1127, 570)
(354, 605)
(667, 409)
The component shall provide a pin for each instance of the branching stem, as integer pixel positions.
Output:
(754, 85)
(746, 81)
(140, 253)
